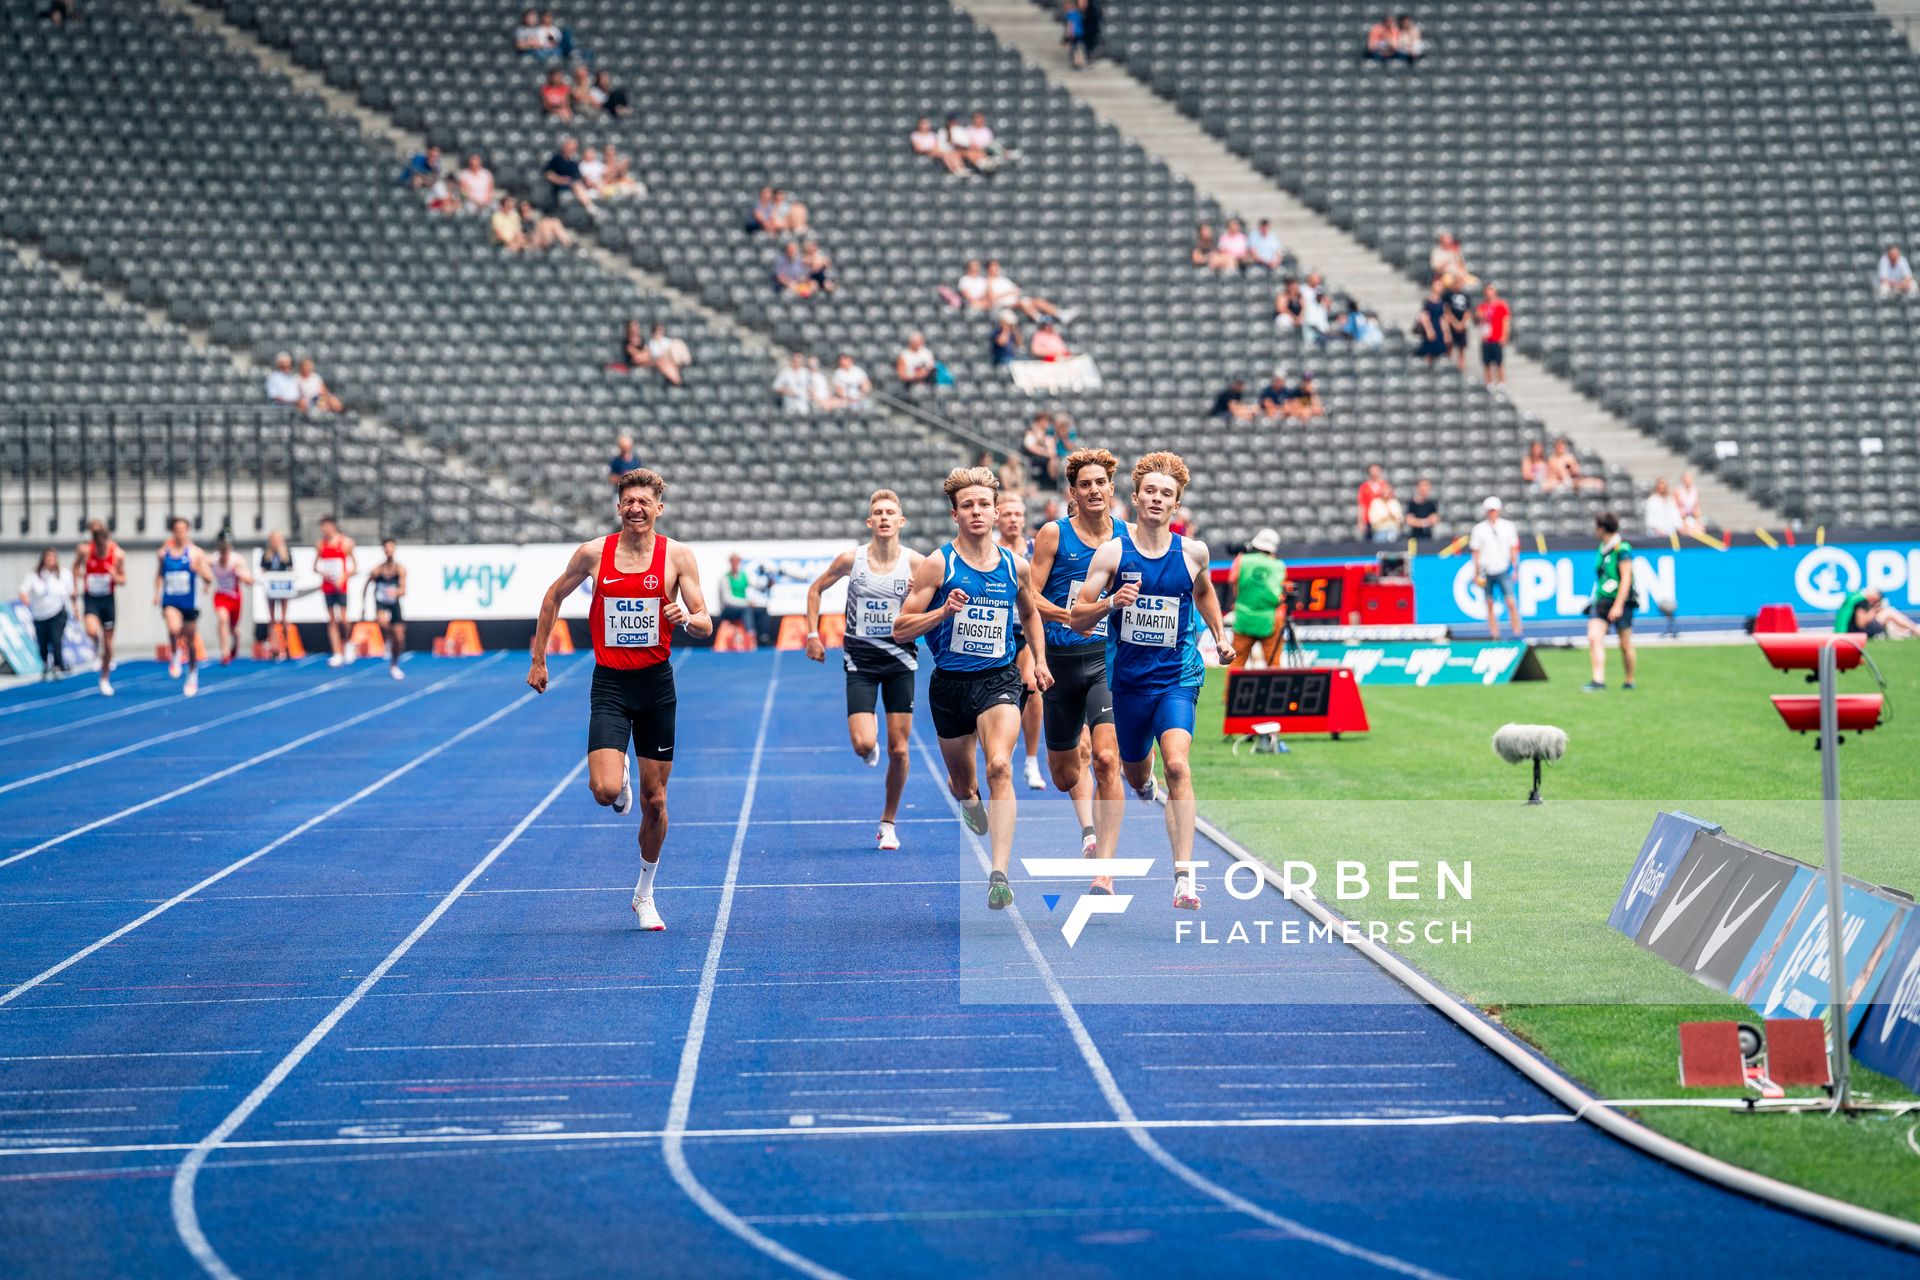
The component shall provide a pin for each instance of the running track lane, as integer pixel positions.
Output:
(498, 1100)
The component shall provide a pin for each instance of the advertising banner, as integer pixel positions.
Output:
(1449, 662)
(1700, 581)
(1786, 973)
(1754, 883)
(1889, 1040)
(1672, 835)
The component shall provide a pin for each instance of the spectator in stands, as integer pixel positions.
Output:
(314, 396)
(1013, 477)
(1496, 327)
(633, 350)
(667, 356)
(997, 152)
(819, 267)
(1430, 326)
(972, 287)
(1234, 246)
(564, 177)
(1081, 20)
(1448, 263)
(476, 186)
(1686, 497)
(1661, 514)
(1003, 294)
(580, 95)
(1206, 249)
(1563, 470)
(620, 180)
(820, 387)
(763, 219)
(45, 592)
(1534, 471)
(1305, 404)
(535, 40)
(790, 274)
(556, 99)
(1382, 39)
(283, 385)
(1066, 438)
(851, 385)
(614, 99)
(1423, 513)
(1037, 447)
(625, 460)
(1047, 343)
(1362, 328)
(1896, 275)
(1288, 305)
(1370, 488)
(1457, 326)
(1868, 613)
(593, 170)
(957, 134)
(776, 213)
(1386, 518)
(1263, 247)
(560, 38)
(925, 141)
(914, 365)
(1008, 345)
(1232, 402)
(546, 230)
(1275, 395)
(61, 12)
(423, 169)
(1313, 307)
(1408, 44)
(509, 232)
(794, 385)
(1494, 544)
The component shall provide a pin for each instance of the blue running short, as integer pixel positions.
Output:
(1140, 718)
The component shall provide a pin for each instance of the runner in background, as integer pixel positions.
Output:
(176, 591)
(335, 562)
(276, 583)
(101, 570)
(387, 583)
(229, 575)
(1010, 532)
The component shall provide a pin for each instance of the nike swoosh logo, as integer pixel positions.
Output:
(1728, 926)
(1680, 903)
(622, 578)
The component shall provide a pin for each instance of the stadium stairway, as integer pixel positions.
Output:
(1179, 142)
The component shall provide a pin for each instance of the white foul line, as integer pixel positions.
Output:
(134, 708)
(16, 992)
(186, 1217)
(673, 1138)
(232, 769)
(1123, 1109)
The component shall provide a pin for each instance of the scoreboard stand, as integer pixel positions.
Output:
(1293, 700)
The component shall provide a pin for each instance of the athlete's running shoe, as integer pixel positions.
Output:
(173, 664)
(396, 673)
(1146, 790)
(974, 813)
(335, 660)
(887, 837)
(623, 803)
(1090, 848)
(192, 686)
(872, 757)
(106, 687)
(1034, 781)
(1186, 894)
(649, 918)
(999, 892)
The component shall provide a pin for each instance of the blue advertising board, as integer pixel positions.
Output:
(1785, 975)
(1668, 842)
(1889, 1039)
(1700, 581)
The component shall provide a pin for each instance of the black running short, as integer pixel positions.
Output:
(959, 697)
(894, 690)
(1079, 697)
(187, 616)
(637, 704)
(101, 607)
(334, 599)
(1598, 608)
(389, 614)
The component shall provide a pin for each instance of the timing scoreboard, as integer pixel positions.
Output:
(1355, 594)
(1299, 699)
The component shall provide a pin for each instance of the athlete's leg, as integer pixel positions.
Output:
(962, 779)
(653, 807)
(899, 739)
(606, 774)
(277, 628)
(1597, 648)
(863, 728)
(1626, 653)
(396, 641)
(1109, 797)
(1513, 609)
(1030, 719)
(336, 630)
(999, 732)
(1176, 747)
(223, 631)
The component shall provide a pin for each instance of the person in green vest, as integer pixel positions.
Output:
(1868, 613)
(1259, 599)
(1612, 603)
(735, 607)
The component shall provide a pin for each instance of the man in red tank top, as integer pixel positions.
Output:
(643, 587)
(334, 560)
(100, 567)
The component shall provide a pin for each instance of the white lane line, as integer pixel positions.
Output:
(232, 769)
(673, 1138)
(1123, 1109)
(1306, 1066)
(89, 692)
(14, 993)
(766, 822)
(1215, 1035)
(207, 690)
(486, 893)
(899, 1071)
(186, 1215)
(985, 1035)
(159, 1053)
(954, 1129)
(174, 735)
(527, 1044)
(491, 1081)
(112, 1088)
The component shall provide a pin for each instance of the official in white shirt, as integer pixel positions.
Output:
(1495, 545)
(45, 592)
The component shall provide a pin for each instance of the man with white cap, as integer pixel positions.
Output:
(1495, 545)
(1259, 599)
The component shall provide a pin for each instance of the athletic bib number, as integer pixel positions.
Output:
(1099, 631)
(875, 620)
(331, 569)
(980, 631)
(386, 592)
(1151, 621)
(278, 586)
(177, 582)
(630, 623)
(99, 584)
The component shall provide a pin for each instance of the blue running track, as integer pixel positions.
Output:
(324, 973)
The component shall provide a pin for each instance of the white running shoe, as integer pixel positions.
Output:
(335, 660)
(887, 837)
(1146, 790)
(173, 664)
(623, 803)
(192, 686)
(1090, 846)
(872, 757)
(106, 687)
(1186, 894)
(396, 673)
(1034, 781)
(649, 918)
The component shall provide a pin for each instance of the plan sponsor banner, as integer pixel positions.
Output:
(1889, 1039)
(1672, 835)
(1786, 975)
(1449, 662)
(1700, 581)
(504, 582)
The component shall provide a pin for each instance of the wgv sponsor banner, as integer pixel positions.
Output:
(1787, 974)
(1889, 1039)
(1449, 662)
(1666, 844)
(1701, 582)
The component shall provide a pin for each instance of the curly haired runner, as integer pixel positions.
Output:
(975, 689)
(1154, 665)
(643, 587)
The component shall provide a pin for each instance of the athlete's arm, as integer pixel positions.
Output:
(159, 576)
(842, 565)
(1026, 600)
(579, 568)
(119, 567)
(402, 582)
(1626, 589)
(915, 619)
(241, 572)
(1046, 545)
(202, 566)
(1086, 612)
(1206, 601)
(353, 560)
(690, 611)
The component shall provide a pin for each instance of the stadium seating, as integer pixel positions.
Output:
(1685, 200)
(819, 96)
(156, 157)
